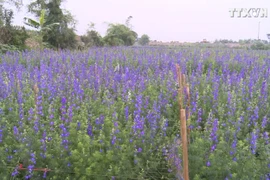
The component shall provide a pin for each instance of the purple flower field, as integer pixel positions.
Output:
(112, 113)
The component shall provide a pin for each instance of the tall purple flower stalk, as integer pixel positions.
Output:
(199, 120)
(126, 113)
(90, 130)
(194, 102)
(39, 105)
(63, 109)
(16, 132)
(15, 172)
(31, 114)
(115, 132)
(153, 117)
(264, 122)
(174, 158)
(213, 135)
(31, 166)
(39, 113)
(64, 136)
(253, 142)
(51, 117)
(21, 111)
(100, 121)
(43, 144)
(266, 137)
(138, 127)
(70, 113)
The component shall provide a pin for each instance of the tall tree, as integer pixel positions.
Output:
(17, 3)
(41, 26)
(6, 16)
(144, 40)
(11, 37)
(4, 13)
(36, 6)
(120, 34)
(61, 36)
(92, 37)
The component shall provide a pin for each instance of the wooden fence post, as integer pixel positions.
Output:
(183, 125)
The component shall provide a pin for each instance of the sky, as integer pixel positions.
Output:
(170, 20)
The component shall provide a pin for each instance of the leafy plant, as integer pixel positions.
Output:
(41, 26)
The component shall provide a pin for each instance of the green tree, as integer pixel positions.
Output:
(6, 16)
(61, 36)
(144, 40)
(41, 26)
(11, 37)
(259, 46)
(17, 3)
(119, 35)
(36, 6)
(92, 38)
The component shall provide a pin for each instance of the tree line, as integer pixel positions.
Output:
(54, 27)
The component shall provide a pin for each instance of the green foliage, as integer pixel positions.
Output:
(12, 38)
(54, 23)
(5, 48)
(64, 39)
(120, 35)
(260, 46)
(5, 35)
(17, 3)
(6, 16)
(92, 39)
(36, 6)
(61, 36)
(144, 40)
(43, 28)
(19, 36)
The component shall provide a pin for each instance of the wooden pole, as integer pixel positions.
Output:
(183, 80)
(183, 125)
(179, 78)
(184, 143)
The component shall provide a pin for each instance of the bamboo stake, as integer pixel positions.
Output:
(183, 126)
(179, 78)
(183, 80)
(184, 142)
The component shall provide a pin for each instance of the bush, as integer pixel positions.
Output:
(5, 48)
(120, 35)
(92, 38)
(259, 46)
(13, 36)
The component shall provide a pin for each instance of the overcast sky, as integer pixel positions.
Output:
(170, 20)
